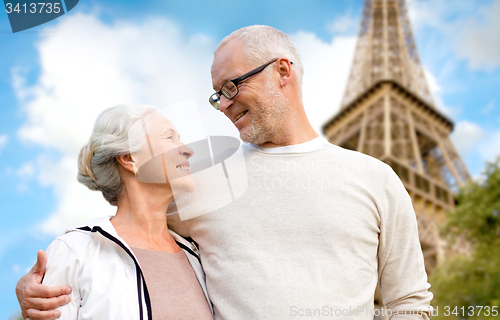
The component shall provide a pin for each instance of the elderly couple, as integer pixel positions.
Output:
(280, 251)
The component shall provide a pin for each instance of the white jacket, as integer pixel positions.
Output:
(104, 273)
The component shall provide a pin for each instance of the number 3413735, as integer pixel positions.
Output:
(33, 7)
(471, 311)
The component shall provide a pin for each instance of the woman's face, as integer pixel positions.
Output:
(164, 158)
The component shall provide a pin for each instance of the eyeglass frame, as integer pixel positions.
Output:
(237, 80)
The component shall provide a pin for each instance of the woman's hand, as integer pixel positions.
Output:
(38, 301)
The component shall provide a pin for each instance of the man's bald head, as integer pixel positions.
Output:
(263, 43)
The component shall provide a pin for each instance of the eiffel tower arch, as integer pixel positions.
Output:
(388, 112)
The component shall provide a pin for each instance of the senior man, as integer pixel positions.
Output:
(318, 227)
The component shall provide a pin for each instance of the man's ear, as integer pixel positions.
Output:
(127, 162)
(285, 71)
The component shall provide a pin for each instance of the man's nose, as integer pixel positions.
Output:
(224, 103)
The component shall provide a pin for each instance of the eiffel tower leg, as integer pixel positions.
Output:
(457, 161)
(446, 156)
(385, 41)
(362, 135)
(387, 126)
(413, 136)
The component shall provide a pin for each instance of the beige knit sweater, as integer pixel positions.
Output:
(310, 239)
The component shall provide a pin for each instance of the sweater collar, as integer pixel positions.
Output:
(308, 146)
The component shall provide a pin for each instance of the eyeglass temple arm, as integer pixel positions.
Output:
(252, 72)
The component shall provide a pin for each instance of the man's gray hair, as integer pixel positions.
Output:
(263, 43)
(97, 164)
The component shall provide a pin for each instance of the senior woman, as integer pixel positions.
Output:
(130, 266)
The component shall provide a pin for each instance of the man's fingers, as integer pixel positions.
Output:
(39, 301)
(44, 291)
(44, 304)
(43, 315)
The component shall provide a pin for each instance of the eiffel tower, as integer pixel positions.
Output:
(388, 112)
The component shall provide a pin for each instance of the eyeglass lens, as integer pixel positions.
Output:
(229, 90)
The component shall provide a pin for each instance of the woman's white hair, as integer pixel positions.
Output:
(113, 135)
(263, 43)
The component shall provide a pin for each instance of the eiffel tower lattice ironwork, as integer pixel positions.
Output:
(388, 113)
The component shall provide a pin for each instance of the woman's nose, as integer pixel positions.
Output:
(186, 151)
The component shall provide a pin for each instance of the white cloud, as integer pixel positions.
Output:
(490, 148)
(489, 107)
(346, 24)
(424, 14)
(472, 38)
(87, 66)
(27, 170)
(3, 141)
(444, 15)
(8, 238)
(466, 136)
(469, 138)
(327, 67)
(24, 174)
(432, 82)
(75, 203)
(436, 92)
(479, 42)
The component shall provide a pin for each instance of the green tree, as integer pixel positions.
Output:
(474, 280)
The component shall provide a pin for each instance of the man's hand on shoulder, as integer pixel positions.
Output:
(38, 301)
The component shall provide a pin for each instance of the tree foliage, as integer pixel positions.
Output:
(473, 280)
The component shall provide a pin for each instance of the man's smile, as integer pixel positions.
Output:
(239, 115)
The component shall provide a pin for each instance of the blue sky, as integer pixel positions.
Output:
(56, 78)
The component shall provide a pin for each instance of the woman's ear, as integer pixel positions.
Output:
(127, 162)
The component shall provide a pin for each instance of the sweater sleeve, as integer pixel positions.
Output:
(63, 268)
(401, 270)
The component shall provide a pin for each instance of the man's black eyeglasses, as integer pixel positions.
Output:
(230, 88)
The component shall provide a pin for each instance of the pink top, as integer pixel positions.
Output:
(173, 287)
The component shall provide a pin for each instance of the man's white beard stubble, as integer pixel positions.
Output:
(268, 117)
